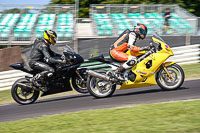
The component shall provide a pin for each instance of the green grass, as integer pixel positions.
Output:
(178, 117)
(5, 97)
(192, 71)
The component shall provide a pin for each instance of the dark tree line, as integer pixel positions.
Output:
(192, 6)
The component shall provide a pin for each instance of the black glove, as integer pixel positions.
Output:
(61, 61)
(146, 48)
(63, 57)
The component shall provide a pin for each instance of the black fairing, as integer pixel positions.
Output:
(55, 86)
(66, 71)
(58, 87)
(73, 57)
(60, 81)
(17, 66)
(79, 59)
(22, 67)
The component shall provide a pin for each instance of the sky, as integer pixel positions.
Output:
(42, 2)
(27, 3)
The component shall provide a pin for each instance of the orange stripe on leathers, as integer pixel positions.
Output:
(119, 40)
(118, 52)
(135, 49)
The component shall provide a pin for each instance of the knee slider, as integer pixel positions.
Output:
(132, 61)
(49, 74)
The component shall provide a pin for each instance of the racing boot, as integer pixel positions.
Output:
(41, 77)
(127, 65)
(118, 73)
(35, 80)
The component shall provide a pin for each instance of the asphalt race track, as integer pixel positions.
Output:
(189, 90)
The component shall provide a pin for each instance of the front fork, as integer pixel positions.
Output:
(167, 72)
(165, 69)
(82, 79)
(79, 75)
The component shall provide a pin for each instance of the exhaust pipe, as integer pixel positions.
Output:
(27, 86)
(98, 75)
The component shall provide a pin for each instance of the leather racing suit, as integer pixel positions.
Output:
(123, 43)
(41, 51)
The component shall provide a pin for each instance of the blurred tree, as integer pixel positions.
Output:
(3, 46)
(16, 10)
(62, 2)
(192, 6)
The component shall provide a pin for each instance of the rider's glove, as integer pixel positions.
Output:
(146, 48)
(63, 57)
(133, 48)
(61, 61)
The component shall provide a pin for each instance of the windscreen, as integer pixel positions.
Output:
(157, 36)
(68, 49)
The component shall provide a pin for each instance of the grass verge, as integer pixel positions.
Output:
(5, 97)
(177, 117)
(191, 72)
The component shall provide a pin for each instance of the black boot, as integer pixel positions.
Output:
(35, 80)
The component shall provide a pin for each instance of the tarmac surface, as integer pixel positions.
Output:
(146, 95)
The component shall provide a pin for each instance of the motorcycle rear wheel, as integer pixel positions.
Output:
(175, 80)
(100, 88)
(22, 95)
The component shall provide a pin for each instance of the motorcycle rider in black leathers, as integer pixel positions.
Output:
(41, 56)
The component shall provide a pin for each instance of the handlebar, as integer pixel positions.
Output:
(145, 55)
(154, 47)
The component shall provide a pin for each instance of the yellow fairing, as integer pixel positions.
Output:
(169, 63)
(135, 54)
(165, 47)
(146, 76)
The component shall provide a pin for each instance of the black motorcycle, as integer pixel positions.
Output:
(67, 76)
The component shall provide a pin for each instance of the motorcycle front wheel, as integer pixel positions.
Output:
(172, 82)
(100, 88)
(79, 83)
(23, 95)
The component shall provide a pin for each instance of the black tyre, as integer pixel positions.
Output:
(22, 95)
(175, 80)
(100, 88)
(78, 84)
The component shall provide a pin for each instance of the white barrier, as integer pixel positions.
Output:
(7, 78)
(186, 54)
(182, 55)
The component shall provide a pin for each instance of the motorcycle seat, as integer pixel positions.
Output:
(21, 66)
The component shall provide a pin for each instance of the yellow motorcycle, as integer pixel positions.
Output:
(151, 69)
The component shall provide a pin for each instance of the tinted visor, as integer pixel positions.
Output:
(54, 39)
(144, 32)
